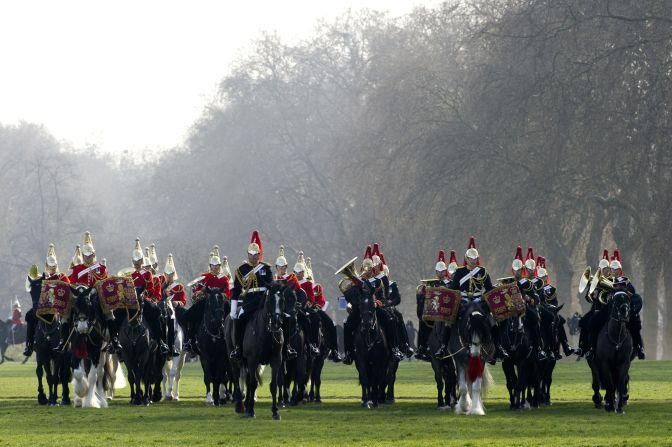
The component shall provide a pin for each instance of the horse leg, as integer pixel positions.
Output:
(275, 378)
(438, 378)
(317, 381)
(166, 379)
(64, 376)
(92, 378)
(597, 397)
(252, 385)
(176, 374)
(364, 381)
(464, 401)
(41, 396)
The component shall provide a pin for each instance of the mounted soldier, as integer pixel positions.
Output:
(319, 304)
(548, 294)
(306, 297)
(281, 275)
(595, 296)
(443, 274)
(174, 295)
(86, 271)
(144, 284)
(218, 277)
(373, 287)
(251, 285)
(51, 273)
(389, 301)
(635, 323)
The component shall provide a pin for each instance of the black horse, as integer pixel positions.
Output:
(262, 345)
(315, 366)
(54, 364)
(614, 348)
(372, 355)
(212, 344)
(296, 368)
(137, 347)
(550, 332)
(444, 370)
(91, 369)
(519, 367)
(9, 337)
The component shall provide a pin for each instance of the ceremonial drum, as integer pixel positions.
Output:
(441, 304)
(54, 299)
(505, 301)
(117, 292)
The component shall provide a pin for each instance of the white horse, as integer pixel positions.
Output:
(172, 370)
(473, 375)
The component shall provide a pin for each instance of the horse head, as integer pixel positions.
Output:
(34, 287)
(214, 313)
(274, 305)
(83, 310)
(620, 307)
(367, 311)
(475, 324)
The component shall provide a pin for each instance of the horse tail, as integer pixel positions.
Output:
(259, 373)
(486, 382)
(119, 378)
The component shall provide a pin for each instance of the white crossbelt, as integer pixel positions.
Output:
(253, 271)
(469, 275)
(85, 271)
(257, 289)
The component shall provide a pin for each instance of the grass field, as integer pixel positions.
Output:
(413, 420)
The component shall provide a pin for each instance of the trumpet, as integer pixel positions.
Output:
(351, 276)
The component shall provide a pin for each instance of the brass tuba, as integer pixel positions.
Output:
(603, 283)
(351, 276)
(584, 282)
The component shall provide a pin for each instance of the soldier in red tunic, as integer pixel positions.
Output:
(174, 295)
(216, 278)
(143, 281)
(51, 274)
(87, 273)
(306, 297)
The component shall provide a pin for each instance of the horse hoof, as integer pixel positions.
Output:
(276, 417)
(318, 401)
(389, 401)
(250, 415)
(239, 408)
(65, 401)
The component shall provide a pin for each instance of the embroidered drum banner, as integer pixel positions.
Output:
(117, 292)
(441, 304)
(54, 299)
(505, 301)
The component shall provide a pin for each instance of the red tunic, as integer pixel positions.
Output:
(157, 284)
(60, 276)
(177, 294)
(307, 287)
(16, 317)
(319, 296)
(217, 282)
(144, 280)
(88, 276)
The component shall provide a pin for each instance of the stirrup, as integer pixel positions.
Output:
(335, 356)
(28, 351)
(235, 354)
(347, 359)
(442, 352)
(291, 353)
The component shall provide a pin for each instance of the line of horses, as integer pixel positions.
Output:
(462, 378)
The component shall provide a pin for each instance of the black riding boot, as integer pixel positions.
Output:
(30, 333)
(331, 337)
(288, 329)
(423, 334)
(113, 346)
(387, 322)
(236, 333)
(171, 339)
(445, 340)
(635, 327)
(348, 338)
(314, 334)
(404, 345)
(562, 336)
(152, 314)
(500, 352)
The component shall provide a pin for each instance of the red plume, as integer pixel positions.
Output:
(605, 254)
(530, 254)
(453, 257)
(257, 238)
(442, 256)
(472, 242)
(376, 250)
(519, 254)
(382, 259)
(367, 253)
(617, 256)
(540, 261)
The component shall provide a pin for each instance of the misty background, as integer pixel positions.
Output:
(540, 123)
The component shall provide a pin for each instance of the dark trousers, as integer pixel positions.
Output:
(423, 334)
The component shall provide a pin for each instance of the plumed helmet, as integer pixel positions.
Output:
(169, 269)
(51, 260)
(518, 263)
(300, 265)
(87, 248)
(604, 262)
(530, 263)
(615, 260)
(137, 251)
(281, 261)
(452, 264)
(255, 245)
(441, 262)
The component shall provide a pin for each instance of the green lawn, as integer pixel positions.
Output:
(414, 419)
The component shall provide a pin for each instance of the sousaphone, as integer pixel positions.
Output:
(351, 276)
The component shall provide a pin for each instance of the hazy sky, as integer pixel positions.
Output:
(129, 75)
